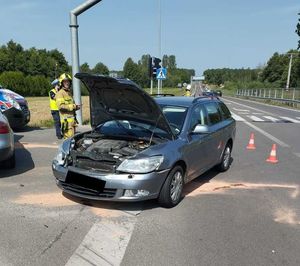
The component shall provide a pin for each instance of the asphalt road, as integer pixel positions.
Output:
(249, 215)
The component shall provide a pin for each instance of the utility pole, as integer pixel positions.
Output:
(75, 50)
(159, 82)
(289, 73)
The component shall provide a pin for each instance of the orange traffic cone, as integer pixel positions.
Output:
(251, 145)
(272, 158)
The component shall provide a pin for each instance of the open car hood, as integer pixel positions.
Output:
(121, 99)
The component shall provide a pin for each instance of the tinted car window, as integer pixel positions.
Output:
(224, 110)
(213, 113)
(198, 116)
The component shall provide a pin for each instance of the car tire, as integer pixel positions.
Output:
(171, 192)
(226, 159)
(10, 162)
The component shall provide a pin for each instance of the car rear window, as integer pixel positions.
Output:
(224, 110)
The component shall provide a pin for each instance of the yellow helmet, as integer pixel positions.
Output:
(63, 77)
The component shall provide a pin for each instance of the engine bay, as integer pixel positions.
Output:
(96, 152)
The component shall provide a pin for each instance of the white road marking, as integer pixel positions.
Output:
(256, 109)
(104, 244)
(298, 117)
(259, 103)
(290, 119)
(268, 135)
(240, 110)
(273, 119)
(297, 154)
(257, 113)
(255, 118)
(237, 117)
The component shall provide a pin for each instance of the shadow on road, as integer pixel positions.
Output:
(201, 180)
(144, 205)
(109, 205)
(28, 129)
(24, 160)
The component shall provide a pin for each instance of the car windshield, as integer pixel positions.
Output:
(131, 128)
(175, 116)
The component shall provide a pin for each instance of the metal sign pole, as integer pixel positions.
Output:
(75, 51)
(151, 85)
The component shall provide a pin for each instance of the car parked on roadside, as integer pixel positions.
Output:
(15, 108)
(142, 147)
(7, 152)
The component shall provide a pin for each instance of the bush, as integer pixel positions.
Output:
(26, 86)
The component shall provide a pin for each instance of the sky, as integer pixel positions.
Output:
(202, 34)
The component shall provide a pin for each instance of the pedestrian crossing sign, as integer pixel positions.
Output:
(161, 73)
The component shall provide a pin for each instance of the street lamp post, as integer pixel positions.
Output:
(75, 50)
(289, 73)
(159, 81)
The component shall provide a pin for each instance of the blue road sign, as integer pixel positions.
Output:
(161, 73)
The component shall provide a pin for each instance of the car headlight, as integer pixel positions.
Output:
(144, 165)
(63, 151)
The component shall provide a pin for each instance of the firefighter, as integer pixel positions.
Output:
(54, 108)
(188, 90)
(66, 106)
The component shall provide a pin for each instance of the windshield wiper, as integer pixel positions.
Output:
(150, 131)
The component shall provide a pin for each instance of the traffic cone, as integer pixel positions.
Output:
(272, 158)
(251, 145)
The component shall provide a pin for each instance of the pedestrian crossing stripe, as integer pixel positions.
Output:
(240, 110)
(265, 118)
(255, 118)
(290, 119)
(237, 117)
(273, 119)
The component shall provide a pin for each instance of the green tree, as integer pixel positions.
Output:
(276, 70)
(143, 65)
(85, 68)
(100, 68)
(132, 71)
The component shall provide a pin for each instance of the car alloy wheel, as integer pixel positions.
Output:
(171, 192)
(176, 186)
(226, 157)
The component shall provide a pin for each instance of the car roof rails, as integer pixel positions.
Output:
(204, 97)
(162, 94)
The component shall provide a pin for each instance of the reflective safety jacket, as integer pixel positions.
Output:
(53, 105)
(188, 93)
(66, 105)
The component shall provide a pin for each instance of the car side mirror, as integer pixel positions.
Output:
(200, 129)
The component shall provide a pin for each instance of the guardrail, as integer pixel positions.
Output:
(290, 96)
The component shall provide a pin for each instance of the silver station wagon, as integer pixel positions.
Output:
(142, 147)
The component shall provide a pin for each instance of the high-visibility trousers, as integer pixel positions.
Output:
(68, 127)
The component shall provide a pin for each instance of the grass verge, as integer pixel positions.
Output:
(41, 114)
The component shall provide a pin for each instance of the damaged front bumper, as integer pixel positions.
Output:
(113, 187)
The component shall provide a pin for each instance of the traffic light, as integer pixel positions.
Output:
(154, 64)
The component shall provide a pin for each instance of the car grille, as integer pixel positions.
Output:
(103, 166)
(87, 185)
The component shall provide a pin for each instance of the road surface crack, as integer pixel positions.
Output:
(62, 232)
